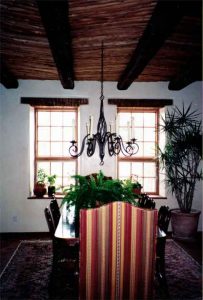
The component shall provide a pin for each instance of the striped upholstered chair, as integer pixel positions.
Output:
(117, 252)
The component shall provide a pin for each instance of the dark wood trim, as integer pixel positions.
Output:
(141, 102)
(54, 101)
(7, 78)
(165, 17)
(54, 15)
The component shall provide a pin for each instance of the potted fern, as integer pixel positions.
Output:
(181, 161)
(93, 192)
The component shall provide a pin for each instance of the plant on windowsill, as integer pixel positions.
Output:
(133, 184)
(90, 193)
(181, 160)
(51, 187)
(40, 186)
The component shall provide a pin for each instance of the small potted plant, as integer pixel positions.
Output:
(134, 185)
(40, 186)
(51, 188)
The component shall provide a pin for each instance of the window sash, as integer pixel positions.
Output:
(140, 158)
(55, 158)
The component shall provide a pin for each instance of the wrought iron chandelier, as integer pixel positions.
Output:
(103, 137)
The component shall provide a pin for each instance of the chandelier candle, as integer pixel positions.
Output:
(103, 137)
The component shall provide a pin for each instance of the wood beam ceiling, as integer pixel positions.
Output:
(165, 17)
(54, 15)
(190, 73)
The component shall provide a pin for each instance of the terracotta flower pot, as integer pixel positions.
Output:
(39, 189)
(137, 191)
(184, 225)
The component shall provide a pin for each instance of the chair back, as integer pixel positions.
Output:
(164, 216)
(55, 212)
(49, 220)
(117, 252)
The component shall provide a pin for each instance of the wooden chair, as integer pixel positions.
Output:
(55, 212)
(164, 216)
(117, 252)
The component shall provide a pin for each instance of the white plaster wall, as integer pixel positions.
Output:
(18, 214)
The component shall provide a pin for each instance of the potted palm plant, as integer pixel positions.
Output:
(40, 186)
(181, 161)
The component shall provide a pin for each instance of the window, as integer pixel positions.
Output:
(54, 129)
(143, 125)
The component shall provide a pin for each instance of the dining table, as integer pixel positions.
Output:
(66, 229)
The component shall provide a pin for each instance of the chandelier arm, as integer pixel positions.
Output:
(74, 148)
(126, 150)
(136, 147)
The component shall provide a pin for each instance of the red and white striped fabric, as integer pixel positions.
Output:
(117, 252)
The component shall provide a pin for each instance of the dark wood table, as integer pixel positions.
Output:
(65, 229)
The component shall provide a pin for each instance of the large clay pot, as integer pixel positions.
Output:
(184, 225)
(39, 189)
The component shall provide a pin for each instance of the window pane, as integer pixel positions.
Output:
(68, 118)
(124, 118)
(44, 134)
(149, 119)
(124, 133)
(138, 134)
(140, 151)
(149, 149)
(44, 165)
(43, 149)
(56, 134)
(56, 149)
(56, 168)
(149, 185)
(69, 169)
(59, 184)
(150, 169)
(138, 119)
(43, 118)
(137, 169)
(68, 133)
(56, 118)
(124, 170)
(149, 134)
(66, 147)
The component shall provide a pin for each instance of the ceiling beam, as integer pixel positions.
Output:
(54, 15)
(7, 78)
(165, 17)
(190, 73)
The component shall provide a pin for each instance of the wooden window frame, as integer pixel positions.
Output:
(52, 158)
(143, 159)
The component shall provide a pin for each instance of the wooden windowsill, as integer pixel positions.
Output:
(46, 197)
(157, 197)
